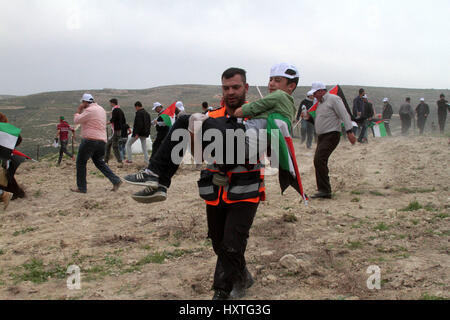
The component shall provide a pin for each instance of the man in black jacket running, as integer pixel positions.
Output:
(141, 131)
(117, 122)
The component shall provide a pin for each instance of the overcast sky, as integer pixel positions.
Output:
(52, 45)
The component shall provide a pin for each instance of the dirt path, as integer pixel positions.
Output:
(128, 250)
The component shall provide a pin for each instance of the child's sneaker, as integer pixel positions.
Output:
(149, 195)
(144, 178)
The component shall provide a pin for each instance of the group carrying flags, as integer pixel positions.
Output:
(9, 135)
(289, 174)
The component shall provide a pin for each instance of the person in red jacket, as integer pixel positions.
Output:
(62, 134)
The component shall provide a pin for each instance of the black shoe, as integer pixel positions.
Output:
(143, 179)
(239, 289)
(321, 195)
(221, 295)
(151, 195)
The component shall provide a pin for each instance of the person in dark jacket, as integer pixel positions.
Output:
(141, 131)
(387, 115)
(161, 128)
(117, 122)
(369, 114)
(358, 104)
(358, 114)
(422, 111)
(358, 108)
(363, 117)
(443, 109)
(406, 116)
(307, 128)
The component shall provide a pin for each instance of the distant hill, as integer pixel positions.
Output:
(5, 96)
(38, 114)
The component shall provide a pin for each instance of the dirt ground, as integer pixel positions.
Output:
(390, 209)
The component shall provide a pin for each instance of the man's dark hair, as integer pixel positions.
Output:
(295, 80)
(205, 105)
(231, 72)
(442, 95)
(114, 101)
(408, 99)
(138, 104)
(361, 91)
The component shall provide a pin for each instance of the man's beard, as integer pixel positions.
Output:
(239, 102)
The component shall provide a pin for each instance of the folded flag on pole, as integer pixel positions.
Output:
(279, 127)
(8, 139)
(337, 90)
(379, 129)
(168, 115)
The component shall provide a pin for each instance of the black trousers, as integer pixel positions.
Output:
(13, 186)
(63, 149)
(442, 118)
(406, 124)
(326, 144)
(162, 163)
(228, 228)
(161, 134)
(421, 121)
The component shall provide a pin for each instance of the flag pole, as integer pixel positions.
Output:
(73, 149)
(296, 125)
(259, 91)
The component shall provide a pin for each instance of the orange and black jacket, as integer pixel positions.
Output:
(245, 183)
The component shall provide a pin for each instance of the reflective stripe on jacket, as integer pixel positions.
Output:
(245, 183)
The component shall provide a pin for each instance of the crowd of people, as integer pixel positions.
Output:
(232, 191)
(364, 117)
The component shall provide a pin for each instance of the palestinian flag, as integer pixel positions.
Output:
(313, 110)
(8, 139)
(288, 169)
(337, 90)
(379, 129)
(168, 115)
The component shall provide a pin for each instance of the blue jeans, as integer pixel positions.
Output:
(307, 133)
(363, 134)
(96, 150)
(122, 150)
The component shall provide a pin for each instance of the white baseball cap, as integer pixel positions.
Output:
(385, 100)
(179, 106)
(87, 97)
(365, 96)
(156, 105)
(285, 70)
(310, 93)
(422, 99)
(316, 86)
